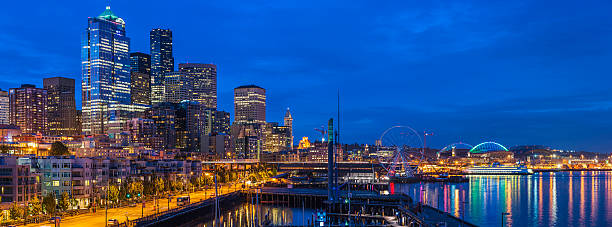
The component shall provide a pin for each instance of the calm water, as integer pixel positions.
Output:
(542, 199)
(243, 215)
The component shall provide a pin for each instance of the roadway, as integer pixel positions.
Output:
(123, 214)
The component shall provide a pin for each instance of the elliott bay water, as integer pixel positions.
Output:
(576, 198)
(543, 199)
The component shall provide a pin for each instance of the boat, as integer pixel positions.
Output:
(498, 169)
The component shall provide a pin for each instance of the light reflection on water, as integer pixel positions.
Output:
(542, 199)
(244, 215)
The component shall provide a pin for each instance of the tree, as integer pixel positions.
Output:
(64, 201)
(58, 149)
(159, 185)
(175, 185)
(36, 206)
(16, 211)
(136, 187)
(49, 204)
(148, 187)
(113, 193)
(5, 149)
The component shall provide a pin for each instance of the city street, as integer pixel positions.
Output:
(133, 212)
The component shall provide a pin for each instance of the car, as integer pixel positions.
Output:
(112, 222)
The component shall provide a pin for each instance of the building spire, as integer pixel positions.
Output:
(288, 113)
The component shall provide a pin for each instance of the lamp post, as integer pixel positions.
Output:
(502, 217)
(106, 206)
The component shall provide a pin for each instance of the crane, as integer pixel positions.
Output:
(322, 131)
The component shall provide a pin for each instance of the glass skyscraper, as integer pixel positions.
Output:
(204, 83)
(105, 73)
(140, 64)
(162, 61)
(61, 107)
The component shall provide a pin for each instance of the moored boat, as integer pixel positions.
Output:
(498, 169)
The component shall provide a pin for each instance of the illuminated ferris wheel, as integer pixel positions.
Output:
(400, 151)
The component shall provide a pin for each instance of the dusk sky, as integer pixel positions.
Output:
(515, 72)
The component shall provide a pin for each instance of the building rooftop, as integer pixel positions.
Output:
(110, 16)
(249, 86)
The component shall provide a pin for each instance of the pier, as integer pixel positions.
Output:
(362, 208)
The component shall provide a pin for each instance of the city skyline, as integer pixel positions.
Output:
(550, 98)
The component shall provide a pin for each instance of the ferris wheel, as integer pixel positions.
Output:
(400, 151)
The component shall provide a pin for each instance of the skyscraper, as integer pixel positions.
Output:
(140, 88)
(289, 123)
(105, 73)
(162, 61)
(204, 83)
(249, 105)
(61, 106)
(140, 62)
(28, 108)
(4, 107)
(178, 87)
(221, 123)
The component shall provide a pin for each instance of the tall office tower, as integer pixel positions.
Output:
(28, 108)
(105, 73)
(140, 62)
(178, 87)
(289, 123)
(204, 78)
(140, 69)
(4, 107)
(140, 88)
(61, 107)
(162, 61)
(249, 105)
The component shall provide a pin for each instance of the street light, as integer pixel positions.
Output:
(502, 217)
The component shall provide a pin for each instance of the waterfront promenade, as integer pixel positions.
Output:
(122, 214)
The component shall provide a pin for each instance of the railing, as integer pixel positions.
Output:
(167, 214)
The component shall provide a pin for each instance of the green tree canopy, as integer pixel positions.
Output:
(49, 204)
(113, 193)
(64, 202)
(58, 149)
(36, 207)
(16, 211)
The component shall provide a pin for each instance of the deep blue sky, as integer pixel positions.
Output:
(516, 72)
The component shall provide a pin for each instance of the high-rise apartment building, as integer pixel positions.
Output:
(221, 123)
(204, 83)
(140, 69)
(249, 105)
(28, 108)
(105, 73)
(164, 118)
(4, 107)
(61, 107)
(162, 61)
